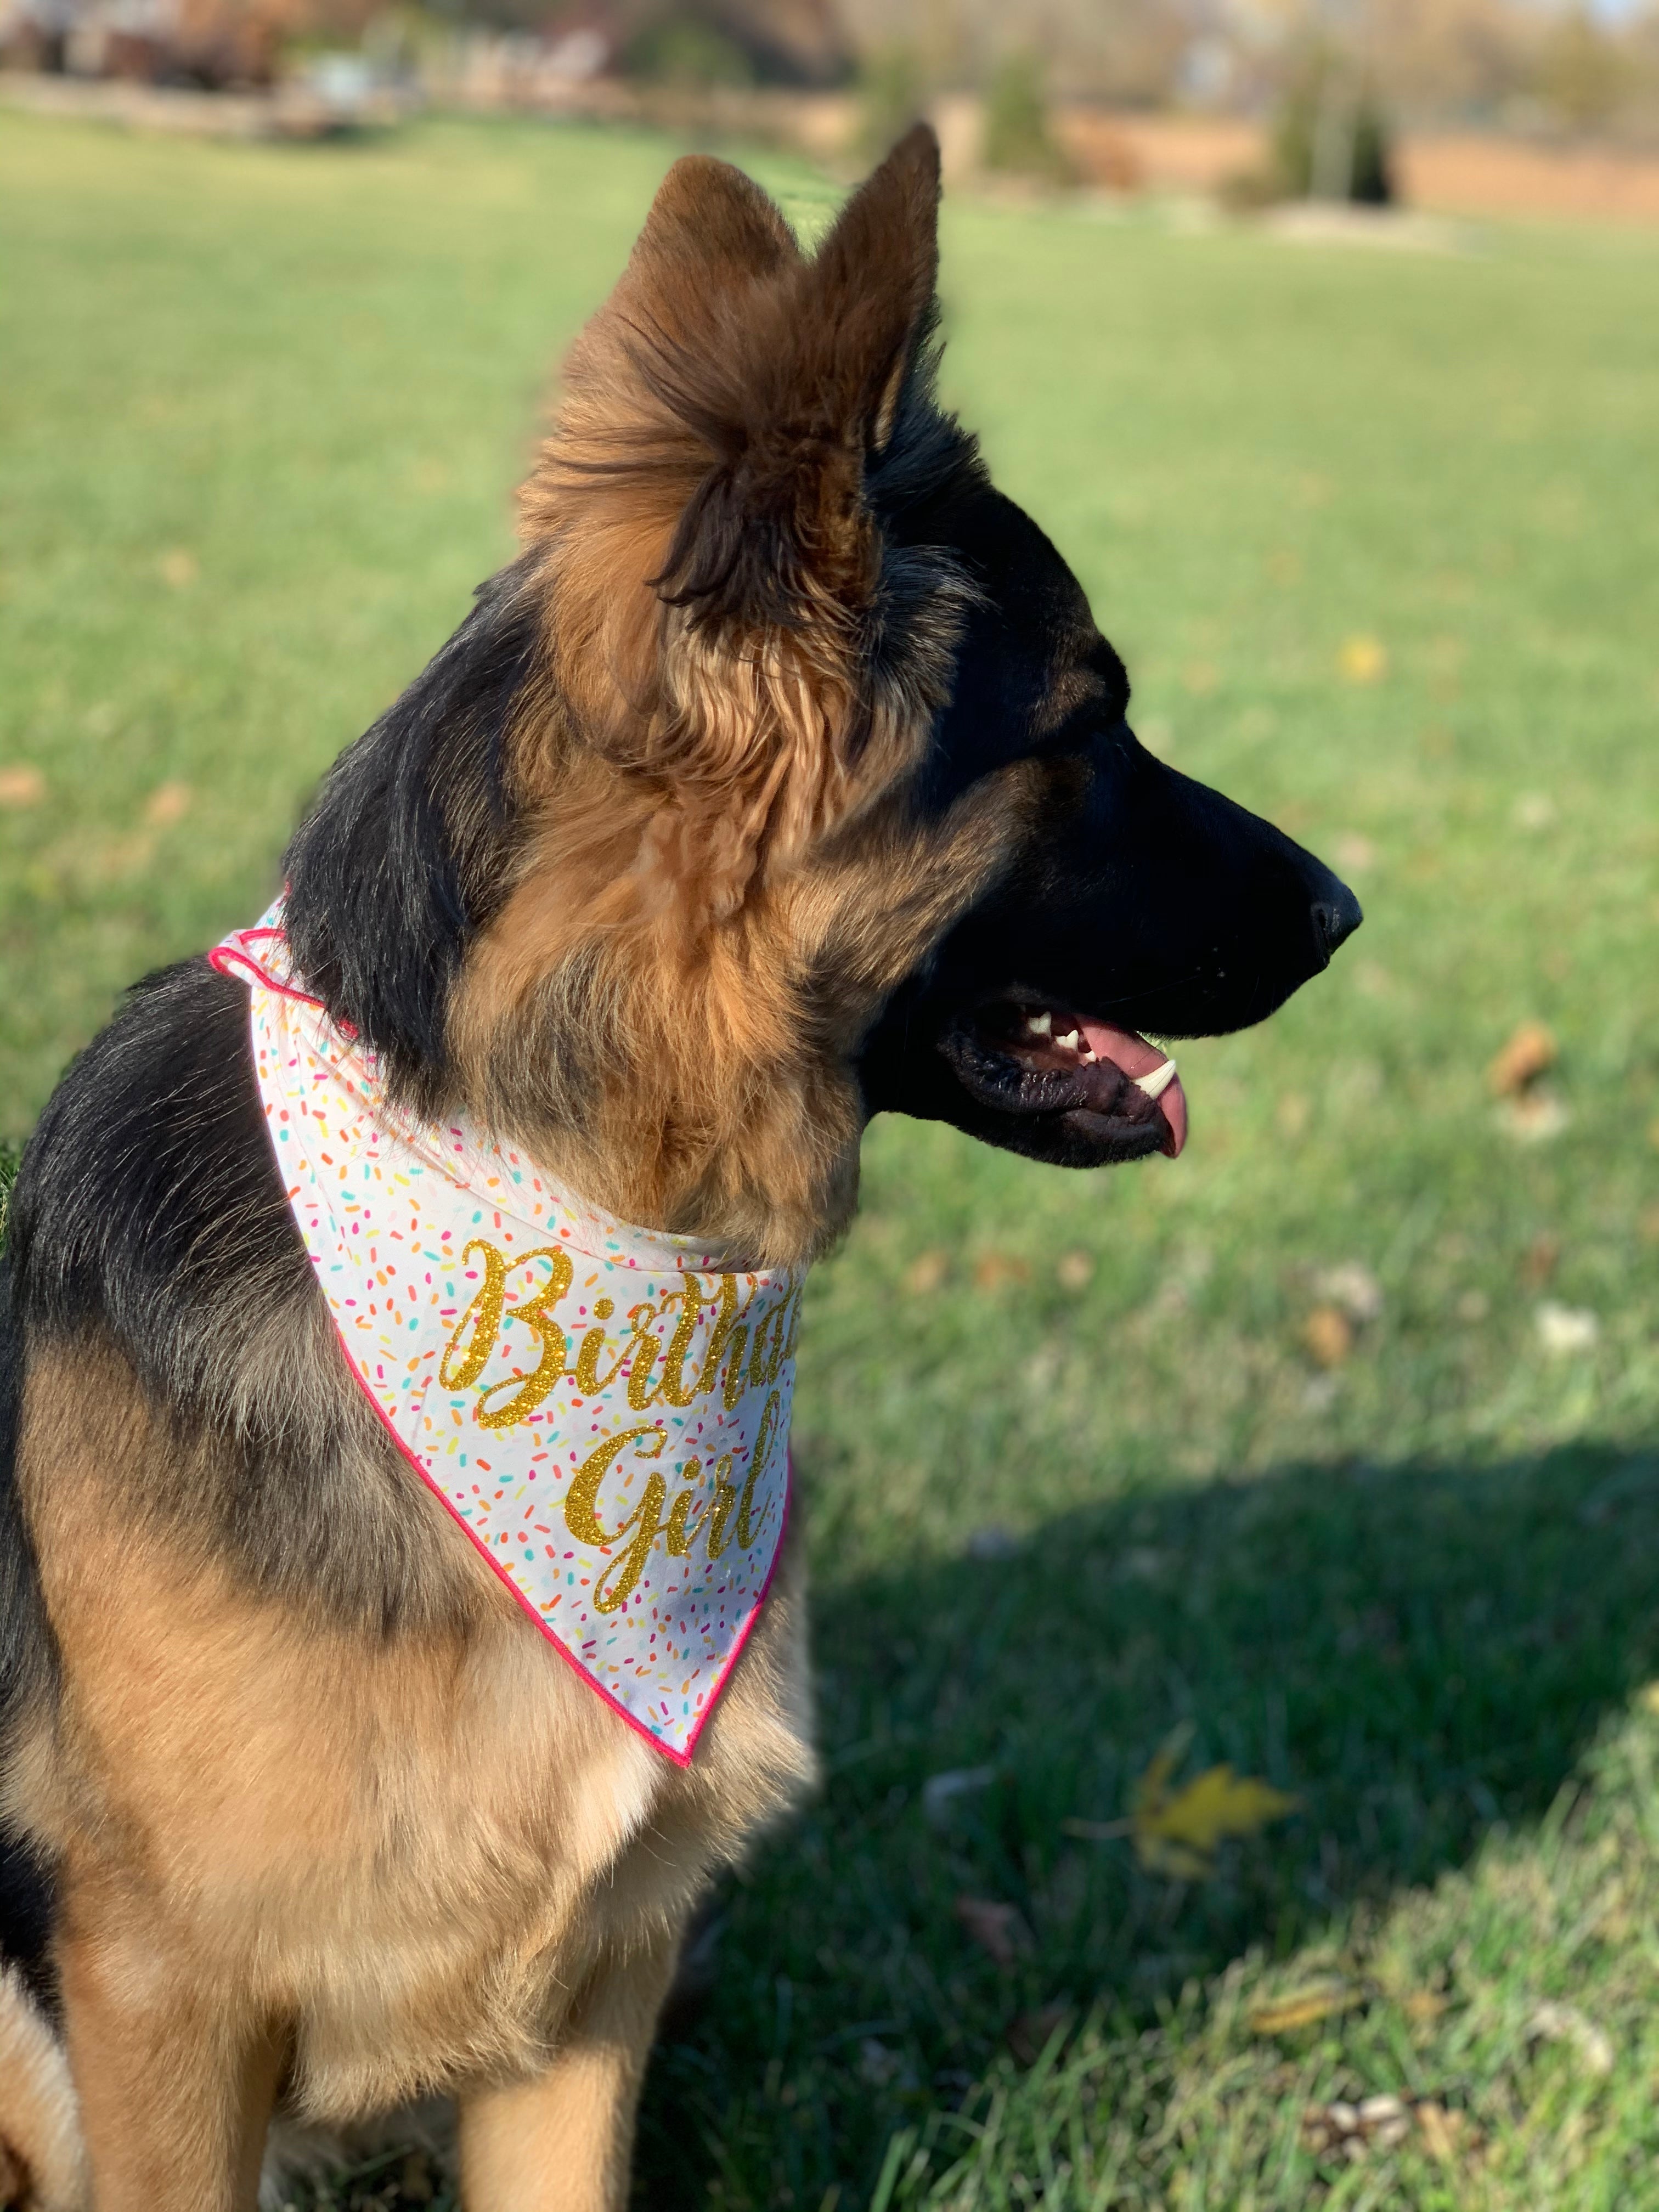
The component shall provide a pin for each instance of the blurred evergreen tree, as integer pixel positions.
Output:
(1332, 139)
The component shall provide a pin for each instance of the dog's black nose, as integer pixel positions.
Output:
(1336, 917)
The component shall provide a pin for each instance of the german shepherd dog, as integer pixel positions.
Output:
(783, 779)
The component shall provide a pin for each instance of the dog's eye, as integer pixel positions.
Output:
(1083, 735)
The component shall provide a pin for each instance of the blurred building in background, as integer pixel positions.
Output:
(211, 43)
(223, 42)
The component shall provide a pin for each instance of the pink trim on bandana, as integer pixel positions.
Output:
(667, 1493)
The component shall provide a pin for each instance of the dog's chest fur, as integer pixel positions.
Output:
(413, 1847)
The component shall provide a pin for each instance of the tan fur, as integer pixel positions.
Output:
(296, 1820)
(40, 2163)
(562, 2143)
(726, 1104)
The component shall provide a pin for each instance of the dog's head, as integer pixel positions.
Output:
(785, 777)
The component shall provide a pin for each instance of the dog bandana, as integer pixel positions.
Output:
(604, 1410)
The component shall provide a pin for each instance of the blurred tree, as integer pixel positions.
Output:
(1128, 51)
(694, 42)
(681, 50)
(1478, 59)
(1019, 139)
(891, 97)
(1331, 138)
(1451, 57)
(1582, 75)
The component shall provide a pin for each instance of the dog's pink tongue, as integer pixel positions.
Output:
(1125, 1049)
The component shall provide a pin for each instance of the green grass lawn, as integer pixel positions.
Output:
(1377, 534)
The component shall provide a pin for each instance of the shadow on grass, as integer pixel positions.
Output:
(1418, 1653)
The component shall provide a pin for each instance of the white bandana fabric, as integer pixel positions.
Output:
(604, 1410)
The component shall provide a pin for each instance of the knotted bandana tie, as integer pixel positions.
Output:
(604, 1410)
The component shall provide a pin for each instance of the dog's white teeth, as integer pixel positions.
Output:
(1088, 1056)
(1070, 1041)
(1159, 1081)
(1040, 1024)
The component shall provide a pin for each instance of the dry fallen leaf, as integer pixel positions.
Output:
(1563, 1329)
(1327, 1334)
(1448, 2135)
(168, 804)
(1552, 2022)
(1362, 659)
(1424, 2006)
(1375, 2122)
(1321, 2000)
(22, 787)
(993, 1269)
(1075, 1270)
(179, 567)
(926, 1273)
(1530, 1053)
(1176, 1831)
(998, 1929)
(1536, 1116)
(1539, 1261)
(1353, 1288)
(1383, 2122)
(1028, 2034)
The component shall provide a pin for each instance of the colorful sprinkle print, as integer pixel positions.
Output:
(603, 1409)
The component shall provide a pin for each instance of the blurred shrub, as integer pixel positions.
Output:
(892, 95)
(1019, 140)
(682, 52)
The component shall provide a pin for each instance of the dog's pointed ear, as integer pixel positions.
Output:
(711, 225)
(733, 393)
(876, 273)
(779, 525)
(701, 521)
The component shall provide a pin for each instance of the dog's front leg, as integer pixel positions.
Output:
(563, 2141)
(175, 2090)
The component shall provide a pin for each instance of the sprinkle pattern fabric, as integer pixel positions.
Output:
(603, 1409)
